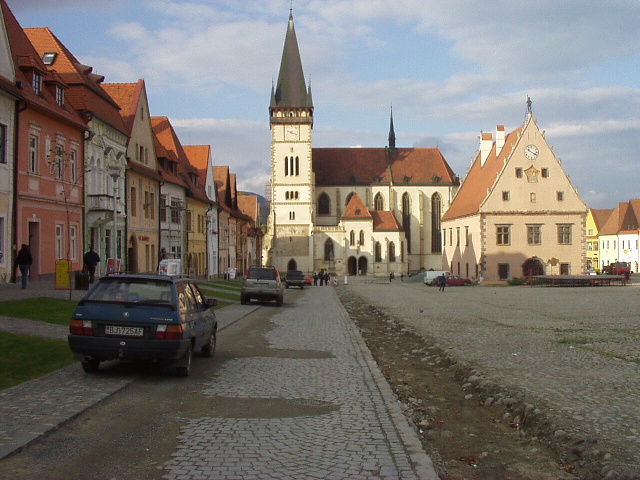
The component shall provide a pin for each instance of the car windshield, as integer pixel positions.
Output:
(262, 274)
(132, 290)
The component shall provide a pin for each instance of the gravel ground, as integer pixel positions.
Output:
(566, 360)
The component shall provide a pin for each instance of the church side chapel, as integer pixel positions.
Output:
(348, 211)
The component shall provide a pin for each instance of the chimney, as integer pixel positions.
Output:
(499, 139)
(486, 143)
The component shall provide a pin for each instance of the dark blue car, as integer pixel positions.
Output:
(143, 317)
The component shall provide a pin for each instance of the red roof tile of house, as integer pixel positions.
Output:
(479, 180)
(624, 218)
(356, 209)
(168, 146)
(385, 221)
(365, 166)
(85, 92)
(198, 155)
(600, 216)
(221, 181)
(248, 205)
(127, 96)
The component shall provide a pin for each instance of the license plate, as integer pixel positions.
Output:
(126, 331)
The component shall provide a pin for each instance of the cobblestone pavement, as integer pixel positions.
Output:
(571, 354)
(364, 436)
(361, 434)
(33, 408)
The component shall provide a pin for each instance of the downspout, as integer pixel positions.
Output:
(206, 242)
(14, 232)
(160, 184)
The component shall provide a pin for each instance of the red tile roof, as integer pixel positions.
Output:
(168, 147)
(600, 216)
(248, 205)
(356, 209)
(198, 155)
(479, 180)
(385, 221)
(221, 181)
(85, 92)
(127, 96)
(366, 166)
(625, 218)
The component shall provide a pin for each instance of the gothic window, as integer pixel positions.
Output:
(328, 250)
(436, 234)
(361, 241)
(379, 202)
(286, 166)
(378, 252)
(297, 166)
(324, 204)
(349, 197)
(392, 252)
(352, 238)
(406, 219)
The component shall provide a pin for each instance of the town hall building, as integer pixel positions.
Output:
(348, 211)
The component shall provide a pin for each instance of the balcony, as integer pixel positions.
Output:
(100, 203)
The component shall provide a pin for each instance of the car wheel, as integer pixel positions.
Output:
(183, 369)
(90, 365)
(210, 347)
(279, 302)
(243, 300)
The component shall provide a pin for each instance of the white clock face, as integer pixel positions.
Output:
(291, 133)
(531, 152)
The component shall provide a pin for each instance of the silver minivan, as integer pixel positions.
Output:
(262, 283)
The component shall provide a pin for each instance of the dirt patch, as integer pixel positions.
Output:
(467, 435)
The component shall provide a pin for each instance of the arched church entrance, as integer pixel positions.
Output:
(532, 266)
(352, 266)
(292, 265)
(362, 266)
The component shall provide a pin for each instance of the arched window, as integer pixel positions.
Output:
(378, 252)
(349, 197)
(324, 204)
(361, 242)
(406, 219)
(297, 166)
(378, 202)
(436, 234)
(392, 252)
(286, 195)
(328, 250)
(291, 171)
(352, 238)
(286, 166)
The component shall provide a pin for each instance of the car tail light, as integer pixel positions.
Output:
(169, 332)
(81, 327)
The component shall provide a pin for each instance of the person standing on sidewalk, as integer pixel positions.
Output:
(91, 259)
(23, 262)
(442, 281)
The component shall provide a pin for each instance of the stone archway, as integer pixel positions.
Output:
(362, 265)
(352, 266)
(533, 266)
(292, 265)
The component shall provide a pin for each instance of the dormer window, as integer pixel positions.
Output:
(49, 57)
(35, 83)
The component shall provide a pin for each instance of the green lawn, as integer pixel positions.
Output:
(50, 310)
(24, 358)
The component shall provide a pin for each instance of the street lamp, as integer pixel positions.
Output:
(114, 173)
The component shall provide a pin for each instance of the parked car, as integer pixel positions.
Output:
(143, 317)
(431, 276)
(455, 280)
(262, 283)
(307, 279)
(294, 278)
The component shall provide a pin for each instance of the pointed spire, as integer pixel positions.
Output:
(392, 133)
(291, 90)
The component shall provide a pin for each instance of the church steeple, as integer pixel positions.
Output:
(291, 90)
(392, 133)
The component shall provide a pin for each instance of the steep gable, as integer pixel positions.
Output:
(356, 209)
(384, 221)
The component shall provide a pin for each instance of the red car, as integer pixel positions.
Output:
(455, 280)
(307, 280)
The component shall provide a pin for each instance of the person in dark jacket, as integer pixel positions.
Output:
(91, 259)
(23, 262)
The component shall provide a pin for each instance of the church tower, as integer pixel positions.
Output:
(290, 227)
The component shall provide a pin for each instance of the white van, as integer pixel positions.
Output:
(430, 276)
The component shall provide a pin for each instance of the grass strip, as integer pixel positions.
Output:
(23, 357)
(45, 309)
(217, 294)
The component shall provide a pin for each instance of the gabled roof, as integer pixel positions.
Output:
(600, 216)
(85, 92)
(26, 58)
(356, 209)
(477, 184)
(127, 96)
(168, 146)
(198, 155)
(221, 181)
(625, 218)
(249, 206)
(366, 166)
(385, 221)
(291, 91)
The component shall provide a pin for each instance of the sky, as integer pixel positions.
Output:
(449, 69)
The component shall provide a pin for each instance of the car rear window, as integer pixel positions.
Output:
(262, 274)
(132, 290)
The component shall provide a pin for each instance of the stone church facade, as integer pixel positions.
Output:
(349, 211)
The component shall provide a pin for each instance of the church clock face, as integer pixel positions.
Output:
(531, 152)
(291, 133)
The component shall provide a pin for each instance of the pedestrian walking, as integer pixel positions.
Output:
(23, 262)
(390, 277)
(91, 259)
(442, 281)
(315, 279)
